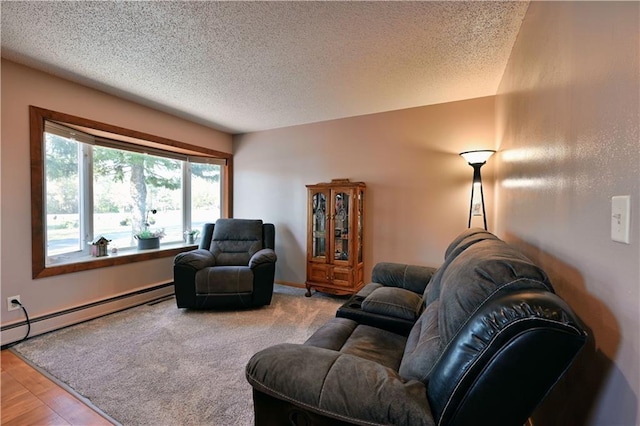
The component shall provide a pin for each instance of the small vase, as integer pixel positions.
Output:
(191, 239)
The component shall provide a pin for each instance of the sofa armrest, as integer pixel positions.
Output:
(410, 277)
(338, 385)
(523, 340)
(261, 257)
(196, 259)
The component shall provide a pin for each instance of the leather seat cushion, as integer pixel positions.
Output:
(224, 279)
(349, 337)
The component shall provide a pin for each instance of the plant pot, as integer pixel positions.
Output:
(149, 243)
(191, 239)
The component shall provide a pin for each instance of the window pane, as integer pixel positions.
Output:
(128, 187)
(164, 184)
(62, 188)
(205, 194)
(112, 205)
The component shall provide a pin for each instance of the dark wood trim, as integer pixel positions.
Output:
(36, 129)
(228, 189)
(53, 270)
(61, 117)
(37, 117)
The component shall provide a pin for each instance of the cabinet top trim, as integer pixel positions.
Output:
(337, 182)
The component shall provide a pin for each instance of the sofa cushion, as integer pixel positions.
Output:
(394, 302)
(374, 344)
(423, 346)
(409, 277)
(368, 289)
(347, 388)
(371, 343)
(332, 334)
(224, 279)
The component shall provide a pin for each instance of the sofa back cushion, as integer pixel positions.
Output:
(483, 270)
(408, 277)
(474, 276)
(234, 241)
(463, 241)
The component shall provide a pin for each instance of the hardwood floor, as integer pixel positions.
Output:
(29, 398)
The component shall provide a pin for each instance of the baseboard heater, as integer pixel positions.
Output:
(89, 306)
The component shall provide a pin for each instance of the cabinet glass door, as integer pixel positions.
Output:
(341, 225)
(319, 220)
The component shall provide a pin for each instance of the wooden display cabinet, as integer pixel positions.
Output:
(335, 228)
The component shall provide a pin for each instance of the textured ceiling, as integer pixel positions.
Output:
(248, 66)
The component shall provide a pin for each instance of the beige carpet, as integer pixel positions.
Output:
(160, 365)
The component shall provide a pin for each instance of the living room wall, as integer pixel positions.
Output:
(418, 186)
(21, 87)
(568, 137)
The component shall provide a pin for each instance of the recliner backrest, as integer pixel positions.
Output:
(477, 274)
(234, 241)
(462, 242)
(465, 239)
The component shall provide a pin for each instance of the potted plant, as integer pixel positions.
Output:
(148, 239)
(190, 236)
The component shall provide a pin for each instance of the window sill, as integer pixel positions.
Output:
(123, 257)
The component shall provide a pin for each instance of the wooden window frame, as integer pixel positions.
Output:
(37, 118)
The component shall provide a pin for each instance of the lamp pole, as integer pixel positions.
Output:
(477, 159)
(477, 180)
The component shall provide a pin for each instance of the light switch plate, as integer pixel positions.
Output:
(620, 218)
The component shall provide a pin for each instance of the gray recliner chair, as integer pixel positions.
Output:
(233, 267)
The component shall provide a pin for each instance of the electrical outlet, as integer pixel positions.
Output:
(13, 306)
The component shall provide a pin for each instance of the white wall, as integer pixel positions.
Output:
(418, 187)
(21, 87)
(568, 134)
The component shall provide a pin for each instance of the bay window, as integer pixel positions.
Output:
(101, 181)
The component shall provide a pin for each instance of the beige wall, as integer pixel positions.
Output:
(417, 184)
(568, 134)
(21, 87)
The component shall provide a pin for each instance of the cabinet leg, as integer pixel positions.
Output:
(308, 293)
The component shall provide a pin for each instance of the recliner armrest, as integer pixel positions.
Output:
(410, 277)
(197, 259)
(261, 257)
(523, 340)
(338, 385)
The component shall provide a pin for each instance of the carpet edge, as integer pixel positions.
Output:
(66, 387)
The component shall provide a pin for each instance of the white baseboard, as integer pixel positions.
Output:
(43, 324)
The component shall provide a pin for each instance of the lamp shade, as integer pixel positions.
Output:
(477, 157)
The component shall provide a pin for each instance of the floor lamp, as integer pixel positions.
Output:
(477, 159)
